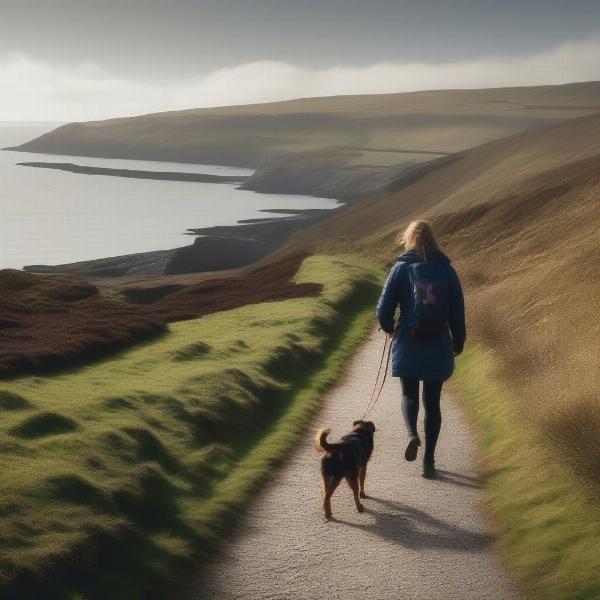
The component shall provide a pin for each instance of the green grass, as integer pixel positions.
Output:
(114, 475)
(389, 158)
(549, 531)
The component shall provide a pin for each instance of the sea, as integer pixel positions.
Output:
(53, 217)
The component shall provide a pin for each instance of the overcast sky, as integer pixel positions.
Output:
(87, 59)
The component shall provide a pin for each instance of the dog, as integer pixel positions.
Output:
(347, 458)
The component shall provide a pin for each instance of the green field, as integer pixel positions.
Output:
(115, 473)
(548, 522)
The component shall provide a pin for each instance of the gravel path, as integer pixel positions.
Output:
(418, 539)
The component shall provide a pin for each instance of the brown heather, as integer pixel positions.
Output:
(51, 321)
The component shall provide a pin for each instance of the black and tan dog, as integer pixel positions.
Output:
(347, 458)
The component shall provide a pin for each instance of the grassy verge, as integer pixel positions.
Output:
(549, 531)
(115, 474)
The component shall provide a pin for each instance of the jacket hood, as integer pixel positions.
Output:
(413, 256)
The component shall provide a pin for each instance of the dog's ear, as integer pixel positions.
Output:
(366, 424)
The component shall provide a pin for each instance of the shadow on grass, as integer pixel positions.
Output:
(43, 425)
(121, 563)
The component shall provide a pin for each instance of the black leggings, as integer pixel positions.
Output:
(433, 415)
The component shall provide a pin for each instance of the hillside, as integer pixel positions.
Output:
(497, 170)
(521, 219)
(341, 146)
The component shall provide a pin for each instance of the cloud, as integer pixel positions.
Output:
(34, 90)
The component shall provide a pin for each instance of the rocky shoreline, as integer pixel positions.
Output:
(228, 247)
(215, 249)
(317, 174)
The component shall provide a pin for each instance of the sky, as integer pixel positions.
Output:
(64, 60)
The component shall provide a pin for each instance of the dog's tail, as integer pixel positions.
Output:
(321, 440)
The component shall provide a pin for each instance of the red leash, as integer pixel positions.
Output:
(372, 404)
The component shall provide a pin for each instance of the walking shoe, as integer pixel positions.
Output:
(412, 448)
(429, 471)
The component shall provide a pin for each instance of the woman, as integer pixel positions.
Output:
(429, 333)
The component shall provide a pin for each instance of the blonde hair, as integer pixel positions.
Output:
(419, 236)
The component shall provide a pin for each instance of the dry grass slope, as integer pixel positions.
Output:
(489, 173)
(521, 218)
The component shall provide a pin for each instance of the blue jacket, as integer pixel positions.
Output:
(429, 359)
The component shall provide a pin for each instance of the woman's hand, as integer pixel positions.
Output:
(390, 334)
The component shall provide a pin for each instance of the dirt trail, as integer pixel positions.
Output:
(419, 539)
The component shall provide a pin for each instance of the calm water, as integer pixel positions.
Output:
(53, 217)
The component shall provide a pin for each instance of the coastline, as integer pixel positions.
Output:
(138, 174)
(217, 248)
(220, 248)
(321, 174)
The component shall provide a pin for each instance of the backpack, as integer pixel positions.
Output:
(429, 287)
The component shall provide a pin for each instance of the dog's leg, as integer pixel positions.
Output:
(329, 483)
(353, 483)
(362, 473)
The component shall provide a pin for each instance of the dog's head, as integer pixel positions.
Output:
(367, 426)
